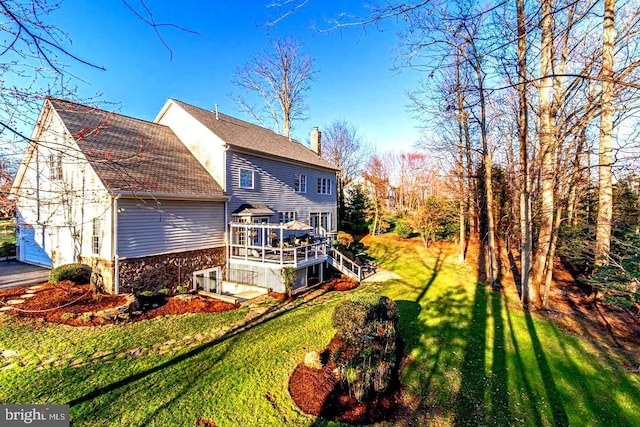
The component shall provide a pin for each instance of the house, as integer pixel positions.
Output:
(195, 198)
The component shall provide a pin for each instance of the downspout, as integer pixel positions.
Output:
(227, 227)
(114, 246)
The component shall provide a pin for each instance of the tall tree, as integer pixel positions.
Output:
(343, 147)
(605, 187)
(280, 79)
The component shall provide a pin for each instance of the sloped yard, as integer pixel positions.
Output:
(472, 359)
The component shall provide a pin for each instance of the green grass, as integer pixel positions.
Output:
(473, 360)
(7, 231)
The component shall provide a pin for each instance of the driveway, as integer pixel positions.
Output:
(14, 274)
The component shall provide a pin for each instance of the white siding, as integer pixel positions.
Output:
(149, 227)
(203, 144)
(55, 216)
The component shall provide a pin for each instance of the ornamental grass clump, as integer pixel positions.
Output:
(366, 356)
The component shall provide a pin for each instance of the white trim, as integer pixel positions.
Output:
(253, 178)
(206, 285)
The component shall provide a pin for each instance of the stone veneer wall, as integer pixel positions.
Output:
(153, 273)
(104, 268)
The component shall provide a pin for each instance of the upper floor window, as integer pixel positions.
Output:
(300, 184)
(324, 186)
(287, 217)
(246, 178)
(55, 166)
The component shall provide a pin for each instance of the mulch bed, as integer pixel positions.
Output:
(340, 284)
(317, 392)
(77, 299)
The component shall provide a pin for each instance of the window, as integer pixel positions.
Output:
(324, 186)
(300, 184)
(55, 166)
(95, 236)
(208, 280)
(246, 178)
(320, 222)
(287, 217)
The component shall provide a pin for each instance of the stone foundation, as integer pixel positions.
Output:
(167, 271)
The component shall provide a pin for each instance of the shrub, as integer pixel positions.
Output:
(345, 239)
(7, 249)
(403, 229)
(366, 356)
(181, 290)
(288, 279)
(77, 273)
(84, 318)
(164, 292)
(67, 316)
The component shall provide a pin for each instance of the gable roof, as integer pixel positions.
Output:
(135, 156)
(244, 135)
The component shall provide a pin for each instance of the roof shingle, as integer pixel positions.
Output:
(240, 134)
(132, 155)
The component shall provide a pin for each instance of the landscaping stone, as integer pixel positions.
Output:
(100, 354)
(198, 337)
(135, 352)
(27, 296)
(35, 287)
(9, 353)
(15, 301)
(10, 366)
(5, 308)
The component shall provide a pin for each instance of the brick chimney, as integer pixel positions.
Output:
(316, 143)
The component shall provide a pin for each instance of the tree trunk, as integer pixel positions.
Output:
(527, 293)
(461, 169)
(492, 264)
(547, 172)
(605, 188)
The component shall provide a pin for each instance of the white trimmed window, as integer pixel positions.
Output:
(55, 166)
(300, 184)
(95, 236)
(324, 186)
(246, 178)
(287, 217)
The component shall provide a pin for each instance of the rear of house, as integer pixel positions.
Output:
(271, 181)
(194, 199)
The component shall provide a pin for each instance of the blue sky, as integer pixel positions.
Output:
(355, 81)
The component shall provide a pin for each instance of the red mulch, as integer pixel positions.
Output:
(340, 284)
(317, 392)
(77, 299)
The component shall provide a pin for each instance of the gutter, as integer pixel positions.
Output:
(142, 195)
(114, 246)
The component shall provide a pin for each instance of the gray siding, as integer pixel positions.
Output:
(274, 187)
(148, 228)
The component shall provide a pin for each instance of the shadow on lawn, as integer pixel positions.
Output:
(273, 312)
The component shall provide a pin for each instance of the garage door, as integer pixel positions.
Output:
(34, 243)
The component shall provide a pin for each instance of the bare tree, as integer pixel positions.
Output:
(605, 188)
(343, 147)
(279, 79)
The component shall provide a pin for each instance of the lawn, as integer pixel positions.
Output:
(472, 359)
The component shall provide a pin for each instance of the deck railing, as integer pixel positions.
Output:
(345, 265)
(279, 255)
